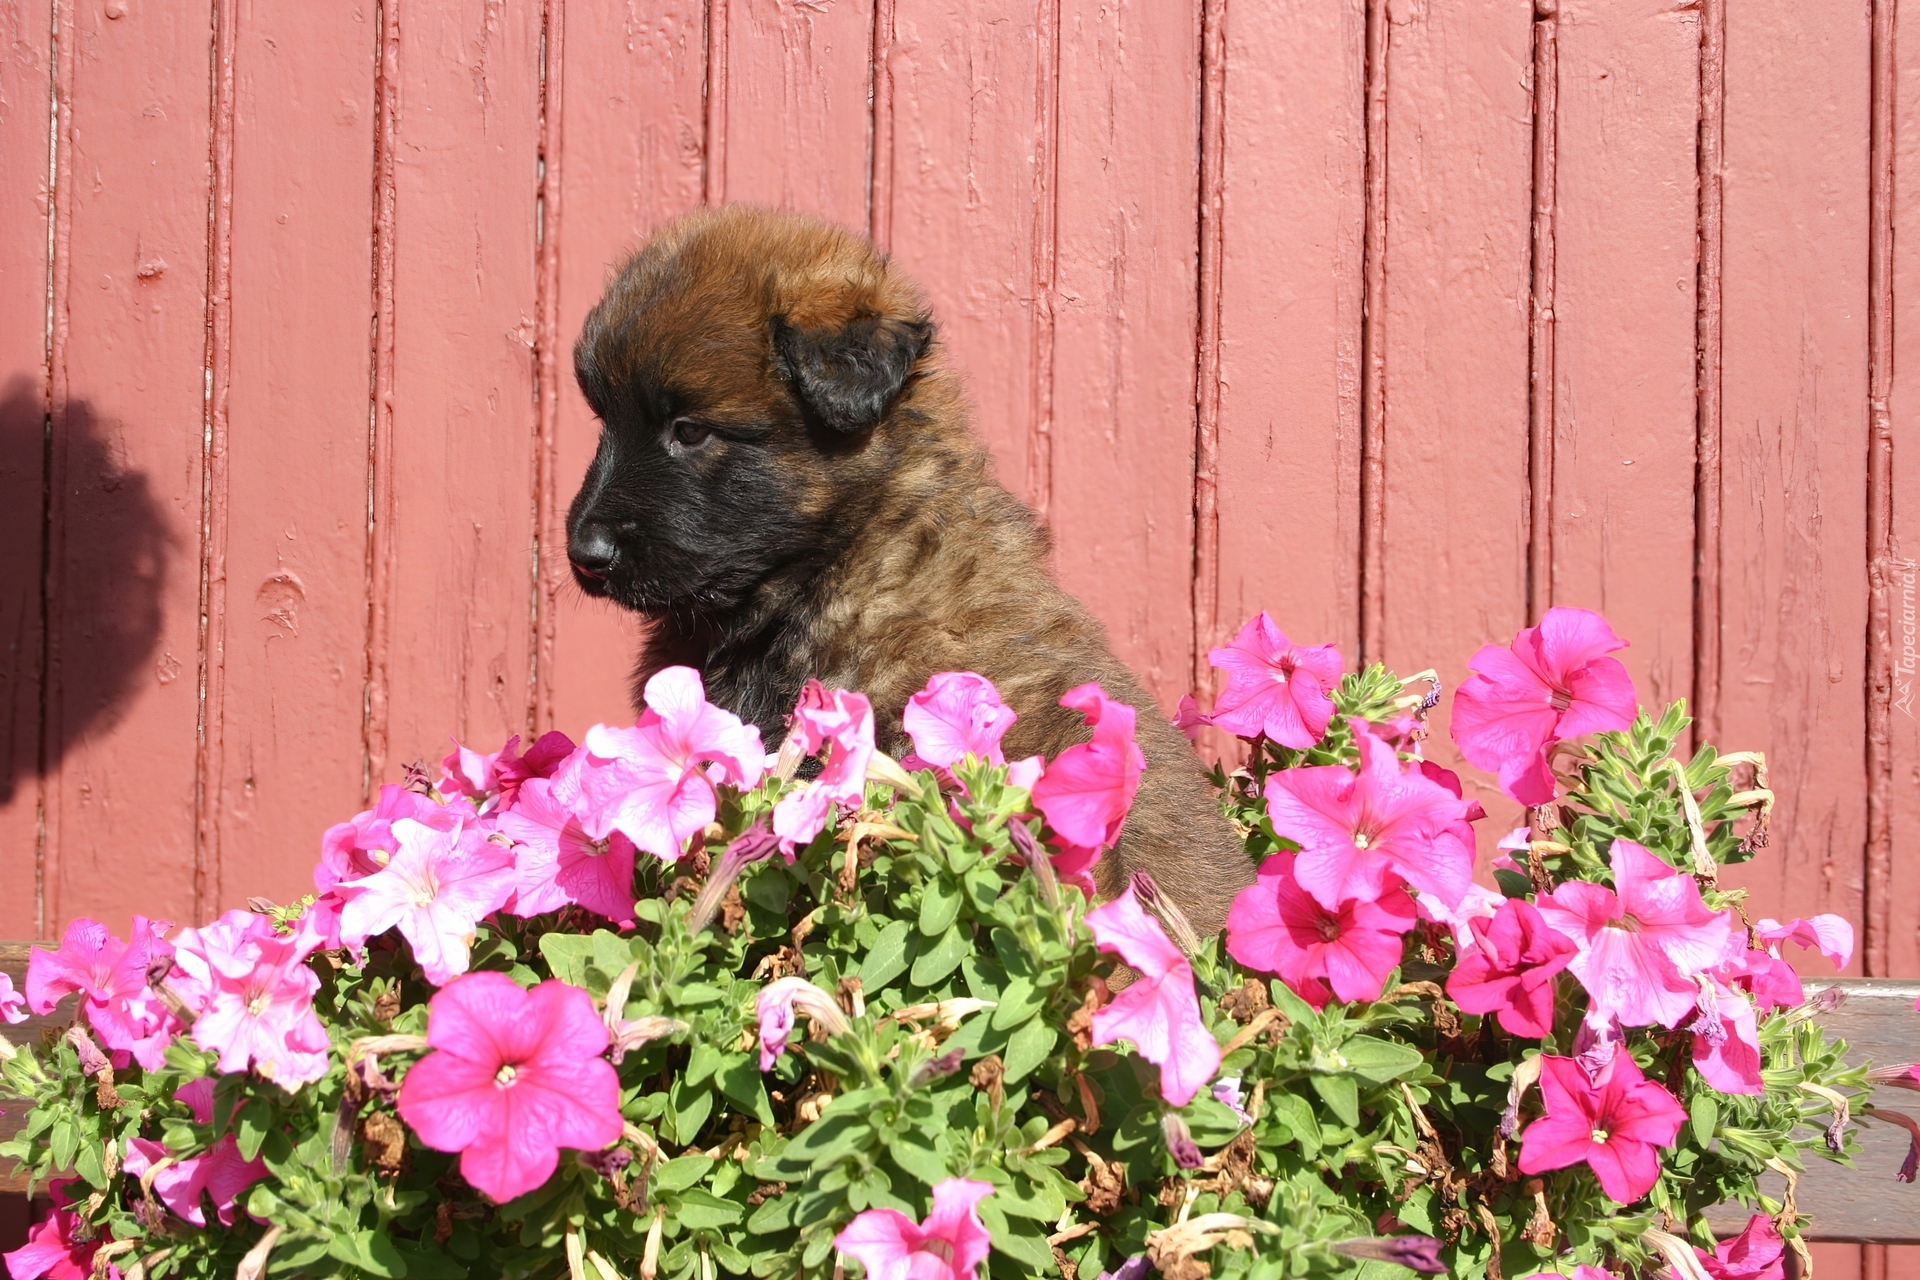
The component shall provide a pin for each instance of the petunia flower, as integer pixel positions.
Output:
(515, 1075)
(1553, 682)
(1160, 1011)
(1189, 719)
(958, 714)
(1755, 1254)
(1642, 941)
(1726, 1038)
(1615, 1127)
(654, 782)
(1830, 935)
(220, 1170)
(112, 976)
(949, 1244)
(557, 862)
(775, 1006)
(436, 889)
(498, 778)
(1357, 832)
(1276, 926)
(1275, 688)
(1088, 788)
(13, 1004)
(1477, 903)
(837, 726)
(362, 845)
(1509, 970)
(253, 994)
(51, 1249)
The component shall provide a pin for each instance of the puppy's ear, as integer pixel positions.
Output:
(849, 376)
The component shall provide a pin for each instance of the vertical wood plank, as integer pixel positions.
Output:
(968, 147)
(461, 489)
(1459, 182)
(1121, 493)
(632, 158)
(1794, 440)
(128, 414)
(1624, 320)
(1290, 320)
(296, 441)
(25, 210)
(798, 129)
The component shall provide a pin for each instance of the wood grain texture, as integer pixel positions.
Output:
(1902, 571)
(1793, 532)
(1122, 445)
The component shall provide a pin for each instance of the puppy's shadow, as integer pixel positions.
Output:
(101, 625)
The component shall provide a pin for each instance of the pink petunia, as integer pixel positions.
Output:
(837, 726)
(436, 889)
(1553, 682)
(13, 1004)
(253, 994)
(1830, 935)
(219, 1170)
(558, 863)
(1726, 1039)
(958, 714)
(51, 1251)
(653, 782)
(515, 1076)
(1757, 1253)
(1641, 942)
(1188, 718)
(362, 845)
(1160, 1011)
(112, 976)
(1510, 969)
(1357, 832)
(1276, 926)
(1088, 788)
(1477, 903)
(950, 1244)
(775, 1007)
(498, 777)
(1275, 688)
(1614, 1127)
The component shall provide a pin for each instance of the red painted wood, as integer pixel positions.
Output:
(129, 403)
(1794, 448)
(631, 157)
(1120, 497)
(1459, 165)
(25, 209)
(296, 476)
(1623, 333)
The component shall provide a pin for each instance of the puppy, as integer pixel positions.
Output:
(787, 485)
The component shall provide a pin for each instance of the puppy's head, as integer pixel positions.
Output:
(745, 367)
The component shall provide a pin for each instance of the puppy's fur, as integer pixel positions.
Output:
(787, 484)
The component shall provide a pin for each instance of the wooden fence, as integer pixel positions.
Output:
(1401, 318)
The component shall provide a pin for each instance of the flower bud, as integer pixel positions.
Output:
(753, 845)
(933, 1069)
(1180, 1144)
(1416, 1253)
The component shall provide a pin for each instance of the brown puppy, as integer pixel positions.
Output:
(787, 484)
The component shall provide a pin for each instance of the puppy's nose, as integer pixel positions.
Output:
(592, 549)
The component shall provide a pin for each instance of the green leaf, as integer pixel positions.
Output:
(427, 1262)
(63, 1143)
(568, 955)
(1379, 1061)
(695, 1209)
(250, 1126)
(681, 1172)
(887, 958)
(741, 1081)
(1028, 1048)
(87, 1163)
(919, 1161)
(701, 1063)
(1705, 1114)
(371, 1251)
(831, 1136)
(1018, 1003)
(943, 957)
(939, 906)
(774, 1214)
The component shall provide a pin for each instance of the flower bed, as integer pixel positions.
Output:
(545, 1015)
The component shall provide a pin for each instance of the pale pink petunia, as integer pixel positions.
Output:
(1074, 865)
(52, 1250)
(111, 976)
(497, 778)
(958, 714)
(1477, 903)
(1726, 1039)
(1358, 831)
(1160, 1011)
(1509, 971)
(775, 1006)
(837, 726)
(558, 863)
(1830, 935)
(362, 845)
(219, 1171)
(1188, 718)
(1276, 926)
(1757, 1253)
(951, 1243)
(1088, 788)
(252, 992)
(1616, 1127)
(1026, 771)
(436, 889)
(513, 1077)
(1275, 688)
(1642, 942)
(1553, 682)
(13, 1004)
(654, 782)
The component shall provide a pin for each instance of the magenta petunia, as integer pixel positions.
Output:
(654, 782)
(1726, 1039)
(252, 992)
(515, 1075)
(558, 863)
(1641, 942)
(1275, 688)
(435, 890)
(497, 778)
(1757, 1253)
(1830, 935)
(219, 1171)
(13, 1004)
(111, 975)
(837, 726)
(1615, 1127)
(1509, 970)
(362, 845)
(1553, 682)
(51, 1250)
(1088, 788)
(1357, 832)
(949, 1244)
(1276, 926)
(1159, 1011)
(958, 714)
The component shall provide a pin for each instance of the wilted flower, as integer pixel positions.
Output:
(1553, 682)
(1159, 1012)
(253, 993)
(436, 889)
(1275, 688)
(1088, 788)
(1755, 1254)
(557, 862)
(1510, 969)
(950, 1244)
(775, 1007)
(958, 714)
(837, 726)
(112, 976)
(219, 1171)
(514, 1076)
(1614, 1127)
(1276, 926)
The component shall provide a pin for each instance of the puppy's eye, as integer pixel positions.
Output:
(689, 432)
